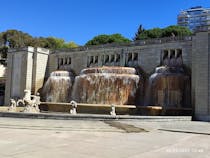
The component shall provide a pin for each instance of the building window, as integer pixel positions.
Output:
(96, 59)
(165, 54)
(135, 56)
(66, 61)
(179, 53)
(117, 57)
(164, 59)
(106, 60)
(172, 53)
(112, 58)
(172, 57)
(130, 57)
(61, 61)
(91, 59)
(69, 61)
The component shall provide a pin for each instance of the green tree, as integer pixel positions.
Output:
(15, 39)
(39, 42)
(140, 31)
(70, 45)
(176, 31)
(148, 34)
(155, 33)
(165, 32)
(54, 43)
(105, 39)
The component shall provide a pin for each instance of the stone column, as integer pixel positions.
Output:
(19, 73)
(201, 76)
(40, 59)
(122, 58)
(175, 53)
(100, 59)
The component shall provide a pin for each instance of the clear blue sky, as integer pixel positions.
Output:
(81, 20)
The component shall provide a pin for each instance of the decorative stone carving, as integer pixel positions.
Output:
(31, 105)
(74, 107)
(113, 112)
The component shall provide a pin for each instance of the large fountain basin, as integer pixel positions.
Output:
(58, 87)
(106, 85)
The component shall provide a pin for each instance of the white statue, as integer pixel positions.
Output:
(31, 105)
(113, 112)
(12, 107)
(74, 107)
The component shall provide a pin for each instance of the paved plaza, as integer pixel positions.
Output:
(39, 138)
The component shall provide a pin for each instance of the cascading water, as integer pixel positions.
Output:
(169, 86)
(58, 87)
(106, 85)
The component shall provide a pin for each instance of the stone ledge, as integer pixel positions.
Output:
(202, 117)
(65, 116)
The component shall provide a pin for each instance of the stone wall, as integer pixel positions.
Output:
(145, 56)
(201, 76)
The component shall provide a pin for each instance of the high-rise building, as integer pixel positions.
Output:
(196, 18)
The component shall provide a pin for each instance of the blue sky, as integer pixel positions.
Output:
(81, 20)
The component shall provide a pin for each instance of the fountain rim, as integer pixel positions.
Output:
(108, 69)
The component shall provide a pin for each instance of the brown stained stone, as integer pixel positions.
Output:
(106, 85)
(169, 87)
(58, 87)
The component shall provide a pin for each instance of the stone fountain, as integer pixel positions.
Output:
(169, 86)
(106, 85)
(58, 87)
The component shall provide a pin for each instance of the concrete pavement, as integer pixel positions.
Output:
(32, 138)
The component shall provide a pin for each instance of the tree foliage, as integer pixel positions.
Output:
(71, 44)
(18, 39)
(105, 39)
(140, 31)
(176, 31)
(160, 33)
(15, 39)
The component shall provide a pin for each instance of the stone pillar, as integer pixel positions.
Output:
(169, 53)
(175, 53)
(100, 59)
(54, 63)
(19, 73)
(122, 58)
(201, 76)
(40, 59)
